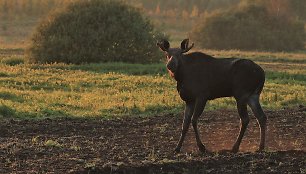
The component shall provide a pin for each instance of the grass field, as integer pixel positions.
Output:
(117, 89)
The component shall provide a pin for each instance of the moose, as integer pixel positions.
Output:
(201, 77)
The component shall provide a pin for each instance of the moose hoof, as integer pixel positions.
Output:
(259, 150)
(234, 150)
(177, 150)
(202, 148)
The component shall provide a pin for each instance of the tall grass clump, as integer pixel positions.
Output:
(95, 31)
(250, 26)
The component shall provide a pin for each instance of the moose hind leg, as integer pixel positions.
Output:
(261, 118)
(244, 121)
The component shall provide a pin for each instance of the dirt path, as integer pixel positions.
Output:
(145, 145)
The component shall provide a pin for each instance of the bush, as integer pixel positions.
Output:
(249, 27)
(95, 31)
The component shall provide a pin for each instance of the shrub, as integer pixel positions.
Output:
(249, 27)
(95, 31)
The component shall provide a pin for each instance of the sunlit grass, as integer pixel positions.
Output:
(117, 89)
(49, 92)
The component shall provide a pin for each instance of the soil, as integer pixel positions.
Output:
(145, 145)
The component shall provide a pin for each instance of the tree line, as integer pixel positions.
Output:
(23, 9)
(17, 9)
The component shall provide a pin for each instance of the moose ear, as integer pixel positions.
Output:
(163, 45)
(184, 46)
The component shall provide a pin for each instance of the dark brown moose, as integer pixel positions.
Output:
(201, 77)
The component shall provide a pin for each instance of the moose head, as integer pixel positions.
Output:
(174, 55)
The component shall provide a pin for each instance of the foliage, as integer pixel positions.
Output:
(250, 27)
(95, 31)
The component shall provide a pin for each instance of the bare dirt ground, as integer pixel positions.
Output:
(146, 144)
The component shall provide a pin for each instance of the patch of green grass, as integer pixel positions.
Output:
(9, 96)
(3, 74)
(285, 78)
(12, 61)
(118, 67)
(6, 111)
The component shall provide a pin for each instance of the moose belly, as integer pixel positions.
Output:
(220, 91)
(185, 94)
(188, 93)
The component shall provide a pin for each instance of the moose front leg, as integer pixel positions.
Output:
(199, 107)
(187, 119)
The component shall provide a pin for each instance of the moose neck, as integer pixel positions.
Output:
(178, 75)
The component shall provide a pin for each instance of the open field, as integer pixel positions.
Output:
(126, 118)
(118, 89)
(145, 145)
